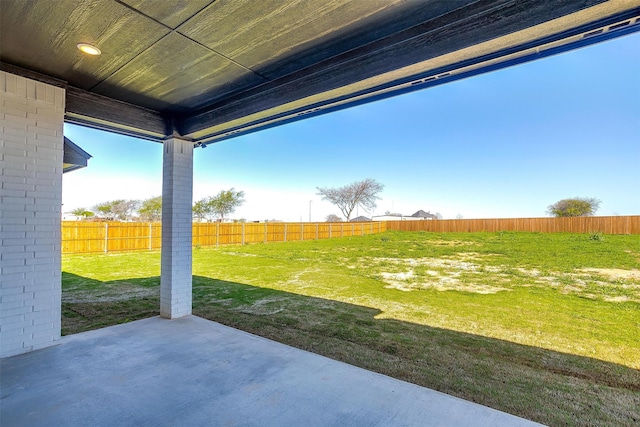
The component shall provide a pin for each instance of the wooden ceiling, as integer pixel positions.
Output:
(210, 70)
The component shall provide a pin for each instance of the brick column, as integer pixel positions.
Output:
(177, 194)
(31, 151)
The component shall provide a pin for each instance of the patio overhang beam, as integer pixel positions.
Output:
(100, 112)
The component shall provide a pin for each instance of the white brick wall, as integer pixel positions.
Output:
(31, 150)
(177, 191)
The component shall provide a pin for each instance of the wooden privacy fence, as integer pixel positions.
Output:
(585, 224)
(86, 237)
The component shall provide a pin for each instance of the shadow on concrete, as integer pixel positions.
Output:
(535, 383)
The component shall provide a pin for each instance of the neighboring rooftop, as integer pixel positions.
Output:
(74, 157)
(424, 215)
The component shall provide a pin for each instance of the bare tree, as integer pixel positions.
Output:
(361, 193)
(125, 209)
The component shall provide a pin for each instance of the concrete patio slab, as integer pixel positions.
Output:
(193, 372)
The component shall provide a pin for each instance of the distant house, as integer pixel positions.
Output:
(390, 218)
(360, 219)
(418, 216)
(424, 215)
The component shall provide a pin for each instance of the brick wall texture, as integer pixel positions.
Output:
(177, 195)
(31, 150)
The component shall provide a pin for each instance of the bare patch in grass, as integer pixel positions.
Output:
(615, 273)
(635, 254)
(240, 254)
(298, 281)
(399, 276)
(453, 243)
(264, 307)
(466, 272)
(442, 275)
(618, 299)
(429, 262)
(445, 284)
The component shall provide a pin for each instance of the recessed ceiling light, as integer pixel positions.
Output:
(89, 49)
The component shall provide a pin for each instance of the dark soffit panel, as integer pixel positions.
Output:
(174, 83)
(42, 36)
(265, 33)
(171, 13)
(276, 41)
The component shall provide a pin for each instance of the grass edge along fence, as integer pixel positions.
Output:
(91, 237)
(87, 237)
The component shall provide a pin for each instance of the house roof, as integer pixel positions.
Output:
(423, 214)
(360, 219)
(74, 157)
(210, 70)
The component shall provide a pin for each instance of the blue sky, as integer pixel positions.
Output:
(504, 144)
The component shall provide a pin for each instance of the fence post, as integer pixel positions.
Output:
(302, 231)
(150, 231)
(265, 232)
(106, 237)
(317, 230)
(285, 231)
(217, 233)
(243, 233)
(329, 230)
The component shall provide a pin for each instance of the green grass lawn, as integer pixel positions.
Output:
(544, 326)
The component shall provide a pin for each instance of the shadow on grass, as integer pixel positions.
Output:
(543, 385)
(89, 304)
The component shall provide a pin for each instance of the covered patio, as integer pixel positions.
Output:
(191, 371)
(187, 75)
